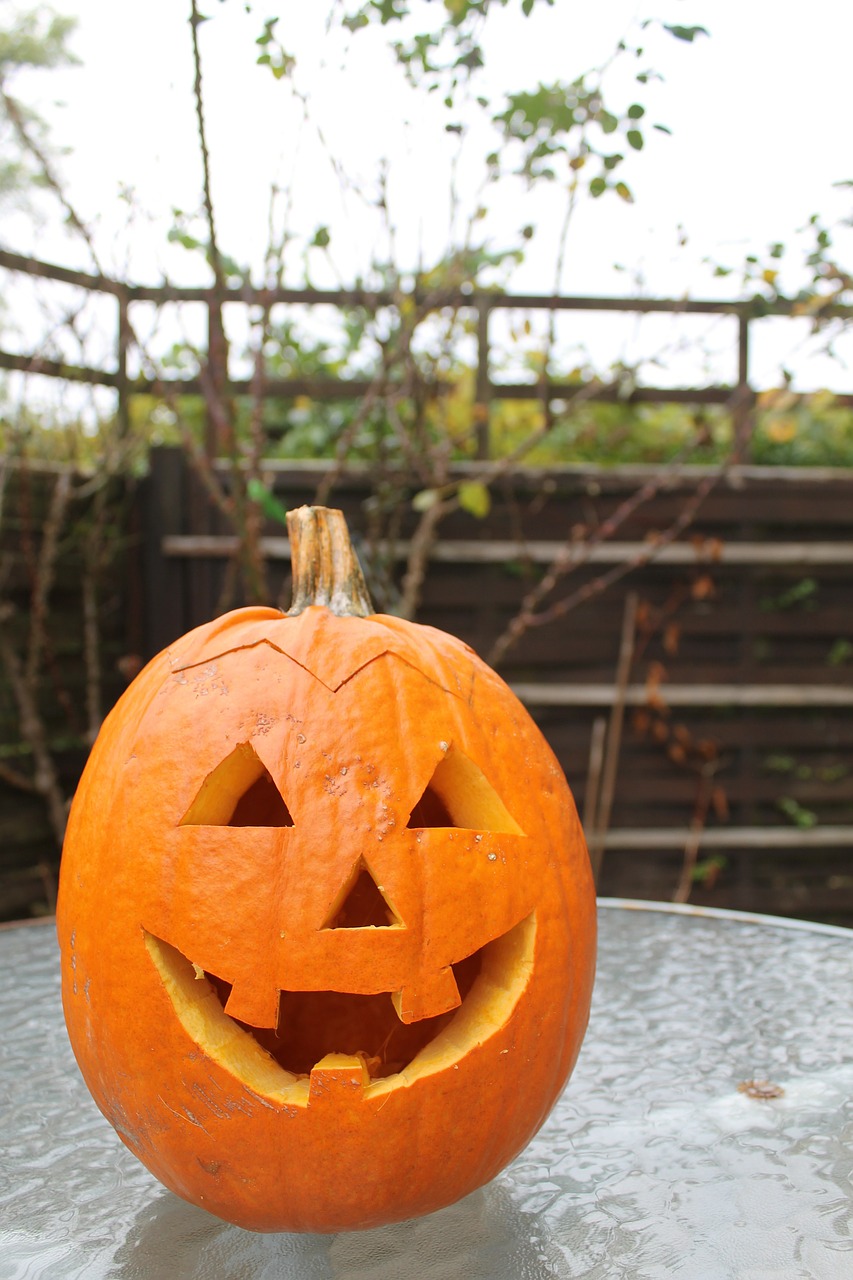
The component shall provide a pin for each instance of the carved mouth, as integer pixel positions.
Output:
(312, 1024)
(362, 1031)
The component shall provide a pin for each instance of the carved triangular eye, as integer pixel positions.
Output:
(238, 793)
(362, 904)
(460, 795)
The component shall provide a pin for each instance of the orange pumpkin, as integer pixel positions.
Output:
(326, 915)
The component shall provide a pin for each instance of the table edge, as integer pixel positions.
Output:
(724, 913)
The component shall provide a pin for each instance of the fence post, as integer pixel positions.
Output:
(123, 409)
(483, 393)
(743, 403)
(164, 511)
(217, 408)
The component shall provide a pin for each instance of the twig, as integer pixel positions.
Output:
(94, 548)
(593, 781)
(685, 517)
(46, 777)
(244, 513)
(419, 548)
(345, 440)
(19, 124)
(196, 19)
(614, 733)
(16, 779)
(44, 575)
(697, 826)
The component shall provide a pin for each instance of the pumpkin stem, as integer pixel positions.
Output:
(325, 567)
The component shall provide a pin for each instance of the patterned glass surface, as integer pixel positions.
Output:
(706, 1134)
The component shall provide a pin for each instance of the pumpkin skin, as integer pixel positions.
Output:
(340, 840)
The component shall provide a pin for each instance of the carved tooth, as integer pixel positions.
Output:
(337, 1077)
(256, 1006)
(437, 993)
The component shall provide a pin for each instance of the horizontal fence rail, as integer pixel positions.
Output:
(786, 554)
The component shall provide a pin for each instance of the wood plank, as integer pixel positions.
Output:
(733, 839)
(684, 695)
(264, 296)
(788, 555)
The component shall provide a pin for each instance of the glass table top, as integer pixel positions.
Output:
(706, 1134)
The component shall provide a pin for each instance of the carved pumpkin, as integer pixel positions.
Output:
(326, 917)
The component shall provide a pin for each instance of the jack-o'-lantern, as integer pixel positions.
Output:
(326, 916)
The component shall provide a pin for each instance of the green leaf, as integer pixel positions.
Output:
(636, 112)
(635, 139)
(471, 59)
(389, 10)
(597, 187)
(708, 868)
(269, 27)
(322, 238)
(840, 653)
(475, 498)
(624, 191)
(176, 236)
(800, 816)
(684, 33)
(663, 128)
(267, 501)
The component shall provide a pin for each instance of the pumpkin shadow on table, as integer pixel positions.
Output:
(483, 1237)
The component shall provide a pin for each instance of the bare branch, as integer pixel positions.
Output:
(196, 19)
(702, 803)
(422, 542)
(16, 779)
(46, 778)
(44, 575)
(28, 142)
(573, 557)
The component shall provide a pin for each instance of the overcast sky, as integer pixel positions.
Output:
(760, 113)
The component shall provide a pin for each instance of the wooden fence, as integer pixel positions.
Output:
(700, 706)
(736, 693)
(69, 624)
(739, 396)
